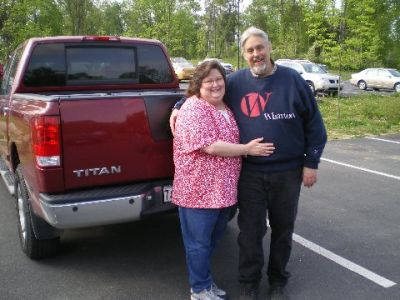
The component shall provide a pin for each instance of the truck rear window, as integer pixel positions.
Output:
(101, 65)
(94, 64)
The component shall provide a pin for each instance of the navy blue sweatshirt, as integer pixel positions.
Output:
(282, 109)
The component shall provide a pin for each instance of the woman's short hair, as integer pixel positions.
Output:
(252, 31)
(202, 71)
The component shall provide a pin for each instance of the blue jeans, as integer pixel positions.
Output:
(261, 194)
(201, 230)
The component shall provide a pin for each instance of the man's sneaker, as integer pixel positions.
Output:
(204, 295)
(248, 291)
(216, 290)
(277, 292)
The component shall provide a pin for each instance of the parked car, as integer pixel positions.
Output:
(377, 78)
(183, 68)
(228, 67)
(317, 78)
(324, 67)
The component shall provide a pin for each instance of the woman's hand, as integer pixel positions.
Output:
(257, 148)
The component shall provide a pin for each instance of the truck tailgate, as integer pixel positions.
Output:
(116, 140)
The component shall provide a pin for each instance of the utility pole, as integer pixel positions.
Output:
(215, 30)
(342, 28)
(238, 34)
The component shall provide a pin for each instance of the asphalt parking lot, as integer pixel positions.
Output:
(346, 242)
(351, 216)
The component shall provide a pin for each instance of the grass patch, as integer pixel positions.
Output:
(361, 115)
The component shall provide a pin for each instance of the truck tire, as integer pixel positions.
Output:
(34, 248)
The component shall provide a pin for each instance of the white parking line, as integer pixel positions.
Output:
(382, 281)
(362, 169)
(383, 140)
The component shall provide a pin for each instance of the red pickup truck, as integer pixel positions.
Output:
(84, 136)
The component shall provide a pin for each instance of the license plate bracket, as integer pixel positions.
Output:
(167, 193)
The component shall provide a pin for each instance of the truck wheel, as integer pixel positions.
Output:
(31, 246)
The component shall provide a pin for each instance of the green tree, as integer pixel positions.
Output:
(109, 18)
(20, 20)
(322, 20)
(173, 22)
(184, 39)
(220, 23)
(355, 35)
(77, 16)
(362, 43)
(283, 20)
(388, 12)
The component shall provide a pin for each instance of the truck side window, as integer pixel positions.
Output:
(10, 71)
(46, 66)
(5, 78)
(153, 66)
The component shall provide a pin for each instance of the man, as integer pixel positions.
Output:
(276, 103)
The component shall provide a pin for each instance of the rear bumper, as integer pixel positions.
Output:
(104, 206)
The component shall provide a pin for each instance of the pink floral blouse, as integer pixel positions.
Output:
(202, 180)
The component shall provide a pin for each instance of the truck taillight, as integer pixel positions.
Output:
(46, 140)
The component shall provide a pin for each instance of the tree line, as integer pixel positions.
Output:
(348, 34)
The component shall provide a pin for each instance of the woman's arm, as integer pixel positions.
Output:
(254, 148)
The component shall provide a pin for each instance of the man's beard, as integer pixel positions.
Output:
(260, 70)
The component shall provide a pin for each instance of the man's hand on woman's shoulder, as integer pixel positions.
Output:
(172, 120)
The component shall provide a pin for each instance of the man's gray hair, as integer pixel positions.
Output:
(252, 31)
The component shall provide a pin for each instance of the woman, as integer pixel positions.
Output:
(207, 164)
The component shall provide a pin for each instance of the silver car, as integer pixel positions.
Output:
(317, 78)
(377, 78)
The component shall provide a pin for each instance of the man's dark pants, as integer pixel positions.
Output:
(275, 193)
